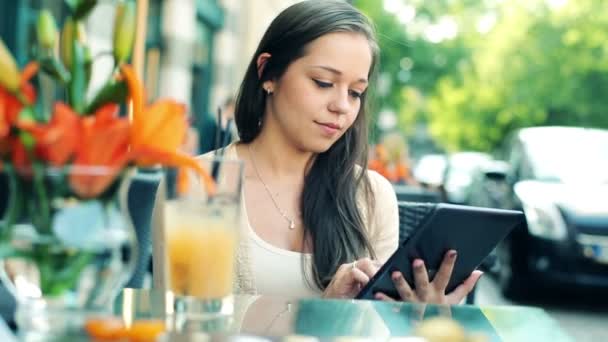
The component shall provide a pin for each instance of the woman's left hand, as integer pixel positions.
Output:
(432, 291)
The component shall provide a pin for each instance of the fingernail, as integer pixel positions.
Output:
(452, 254)
(418, 263)
(396, 276)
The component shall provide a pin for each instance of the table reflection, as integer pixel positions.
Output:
(275, 318)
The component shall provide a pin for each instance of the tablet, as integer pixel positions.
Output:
(472, 231)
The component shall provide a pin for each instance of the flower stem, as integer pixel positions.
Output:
(44, 210)
(15, 205)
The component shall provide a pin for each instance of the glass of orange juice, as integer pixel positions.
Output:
(201, 225)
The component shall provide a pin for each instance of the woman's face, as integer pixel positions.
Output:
(318, 97)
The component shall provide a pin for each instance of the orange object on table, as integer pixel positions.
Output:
(114, 329)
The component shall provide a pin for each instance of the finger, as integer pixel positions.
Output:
(383, 297)
(359, 276)
(442, 278)
(344, 269)
(463, 289)
(343, 272)
(421, 279)
(368, 266)
(403, 288)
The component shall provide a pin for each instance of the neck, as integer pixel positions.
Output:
(278, 157)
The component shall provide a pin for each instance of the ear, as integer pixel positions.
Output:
(261, 63)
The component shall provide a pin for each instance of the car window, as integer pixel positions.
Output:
(577, 157)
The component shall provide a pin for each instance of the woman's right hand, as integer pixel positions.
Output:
(350, 278)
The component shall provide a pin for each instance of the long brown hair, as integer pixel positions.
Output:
(331, 216)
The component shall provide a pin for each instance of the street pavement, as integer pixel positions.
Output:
(582, 315)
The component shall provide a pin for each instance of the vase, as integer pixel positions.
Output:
(67, 245)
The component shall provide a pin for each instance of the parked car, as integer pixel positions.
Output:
(559, 177)
(459, 171)
(489, 187)
(429, 170)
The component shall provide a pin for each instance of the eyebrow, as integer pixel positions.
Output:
(337, 72)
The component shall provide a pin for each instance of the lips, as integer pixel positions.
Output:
(329, 128)
(330, 125)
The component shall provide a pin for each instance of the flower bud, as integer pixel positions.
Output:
(124, 30)
(47, 30)
(9, 73)
(72, 30)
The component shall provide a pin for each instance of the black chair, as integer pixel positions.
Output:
(410, 216)
(140, 199)
(409, 193)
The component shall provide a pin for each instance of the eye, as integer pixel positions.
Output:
(322, 84)
(355, 94)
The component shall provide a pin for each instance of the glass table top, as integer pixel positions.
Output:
(279, 319)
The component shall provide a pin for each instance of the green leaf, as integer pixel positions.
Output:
(27, 114)
(54, 68)
(60, 272)
(28, 140)
(7, 251)
(113, 91)
(81, 8)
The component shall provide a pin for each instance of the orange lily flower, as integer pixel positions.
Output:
(10, 105)
(160, 126)
(4, 131)
(158, 130)
(57, 140)
(104, 142)
(19, 155)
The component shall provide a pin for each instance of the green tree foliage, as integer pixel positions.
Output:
(537, 65)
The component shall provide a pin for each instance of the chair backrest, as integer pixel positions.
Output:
(409, 193)
(140, 199)
(410, 215)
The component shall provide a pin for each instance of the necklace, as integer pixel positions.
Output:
(292, 224)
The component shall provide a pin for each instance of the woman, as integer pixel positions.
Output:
(316, 222)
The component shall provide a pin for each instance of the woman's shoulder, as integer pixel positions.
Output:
(383, 223)
(378, 183)
(382, 189)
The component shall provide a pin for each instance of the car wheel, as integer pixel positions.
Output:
(512, 272)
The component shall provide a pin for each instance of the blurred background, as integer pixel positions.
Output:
(497, 103)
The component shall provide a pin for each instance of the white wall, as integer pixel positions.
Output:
(245, 24)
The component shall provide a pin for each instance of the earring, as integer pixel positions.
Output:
(268, 91)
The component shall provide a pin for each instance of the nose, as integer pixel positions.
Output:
(339, 103)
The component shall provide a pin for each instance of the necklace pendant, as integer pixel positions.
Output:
(292, 225)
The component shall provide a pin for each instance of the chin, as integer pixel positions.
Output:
(319, 146)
